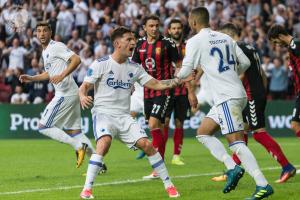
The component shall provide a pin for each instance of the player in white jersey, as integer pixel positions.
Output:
(112, 78)
(61, 119)
(218, 56)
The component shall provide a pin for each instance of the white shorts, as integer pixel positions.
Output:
(62, 112)
(137, 103)
(122, 126)
(229, 115)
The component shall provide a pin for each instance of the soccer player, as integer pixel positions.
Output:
(183, 95)
(278, 35)
(112, 78)
(158, 55)
(255, 83)
(218, 55)
(61, 118)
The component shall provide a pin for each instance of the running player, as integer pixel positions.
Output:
(255, 83)
(183, 95)
(218, 55)
(278, 35)
(158, 55)
(112, 78)
(61, 120)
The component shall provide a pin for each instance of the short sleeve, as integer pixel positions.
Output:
(172, 51)
(62, 51)
(136, 54)
(94, 72)
(142, 77)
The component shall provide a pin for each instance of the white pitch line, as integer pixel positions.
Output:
(124, 182)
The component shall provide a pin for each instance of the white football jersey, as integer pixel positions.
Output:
(218, 55)
(113, 84)
(56, 57)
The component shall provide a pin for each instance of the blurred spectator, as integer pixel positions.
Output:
(253, 10)
(65, 21)
(279, 80)
(19, 97)
(12, 77)
(81, 11)
(16, 55)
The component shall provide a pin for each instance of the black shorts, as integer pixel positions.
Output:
(156, 107)
(181, 107)
(296, 110)
(254, 113)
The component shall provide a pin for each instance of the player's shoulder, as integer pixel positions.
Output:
(246, 46)
(141, 40)
(100, 61)
(295, 44)
(168, 41)
(132, 63)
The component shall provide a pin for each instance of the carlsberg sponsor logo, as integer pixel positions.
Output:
(279, 121)
(19, 122)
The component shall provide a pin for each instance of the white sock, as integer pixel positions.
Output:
(249, 162)
(81, 138)
(59, 135)
(217, 149)
(159, 167)
(95, 165)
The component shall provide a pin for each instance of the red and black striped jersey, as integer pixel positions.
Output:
(181, 90)
(294, 53)
(253, 81)
(158, 59)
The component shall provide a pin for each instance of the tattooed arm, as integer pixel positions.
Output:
(162, 84)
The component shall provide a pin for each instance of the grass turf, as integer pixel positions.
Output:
(44, 169)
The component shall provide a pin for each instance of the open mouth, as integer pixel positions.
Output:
(131, 49)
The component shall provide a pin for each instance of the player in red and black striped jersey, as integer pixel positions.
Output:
(278, 35)
(159, 56)
(182, 95)
(255, 83)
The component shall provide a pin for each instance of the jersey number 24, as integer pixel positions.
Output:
(223, 66)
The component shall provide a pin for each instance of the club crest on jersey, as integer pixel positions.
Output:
(89, 72)
(158, 50)
(48, 65)
(116, 84)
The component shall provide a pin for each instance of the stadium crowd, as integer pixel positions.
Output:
(85, 26)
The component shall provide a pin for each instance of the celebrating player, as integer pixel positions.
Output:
(112, 78)
(61, 119)
(218, 55)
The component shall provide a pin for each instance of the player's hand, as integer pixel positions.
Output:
(56, 79)
(193, 100)
(24, 78)
(86, 102)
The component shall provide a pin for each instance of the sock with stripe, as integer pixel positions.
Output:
(60, 136)
(178, 140)
(158, 140)
(95, 165)
(159, 167)
(234, 156)
(249, 162)
(271, 146)
(217, 149)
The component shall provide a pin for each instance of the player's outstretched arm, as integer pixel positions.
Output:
(24, 78)
(74, 62)
(162, 84)
(85, 100)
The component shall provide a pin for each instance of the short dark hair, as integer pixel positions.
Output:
(43, 23)
(231, 29)
(202, 15)
(150, 17)
(119, 32)
(275, 31)
(175, 21)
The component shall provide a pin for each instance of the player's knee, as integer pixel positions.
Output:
(295, 126)
(178, 123)
(146, 146)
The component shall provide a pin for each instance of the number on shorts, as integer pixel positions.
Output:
(155, 108)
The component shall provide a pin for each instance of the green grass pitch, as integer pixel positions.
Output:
(45, 170)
